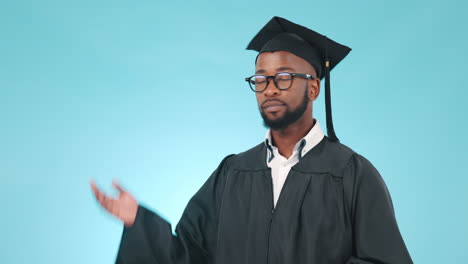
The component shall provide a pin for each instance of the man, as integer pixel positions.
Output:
(297, 197)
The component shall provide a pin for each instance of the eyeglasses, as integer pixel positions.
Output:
(283, 80)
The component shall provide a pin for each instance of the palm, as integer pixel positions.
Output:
(124, 207)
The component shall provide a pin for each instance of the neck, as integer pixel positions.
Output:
(286, 139)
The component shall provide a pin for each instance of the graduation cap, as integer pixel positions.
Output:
(321, 52)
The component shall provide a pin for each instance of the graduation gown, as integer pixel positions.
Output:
(334, 208)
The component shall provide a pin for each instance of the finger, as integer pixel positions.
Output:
(94, 188)
(114, 208)
(107, 203)
(98, 193)
(103, 199)
(117, 186)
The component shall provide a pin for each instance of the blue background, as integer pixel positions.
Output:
(152, 93)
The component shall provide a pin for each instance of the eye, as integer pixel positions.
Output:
(258, 80)
(283, 77)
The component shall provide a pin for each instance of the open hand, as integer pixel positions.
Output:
(125, 207)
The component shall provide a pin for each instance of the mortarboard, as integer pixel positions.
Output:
(321, 52)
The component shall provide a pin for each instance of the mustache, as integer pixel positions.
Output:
(272, 100)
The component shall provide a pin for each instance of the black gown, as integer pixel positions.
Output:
(334, 208)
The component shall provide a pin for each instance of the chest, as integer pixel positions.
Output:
(310, 212)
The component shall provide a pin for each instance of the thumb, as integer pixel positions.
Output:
(117, 186)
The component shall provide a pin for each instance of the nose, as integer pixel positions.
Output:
(271, 89)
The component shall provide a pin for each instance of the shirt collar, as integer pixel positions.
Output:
(313, 137)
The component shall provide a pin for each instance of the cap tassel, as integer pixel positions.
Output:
(328, 111)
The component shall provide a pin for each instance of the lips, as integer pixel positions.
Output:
(272, 106)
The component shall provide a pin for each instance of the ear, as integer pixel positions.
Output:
(314, 89)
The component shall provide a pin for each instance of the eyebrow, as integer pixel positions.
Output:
(278, 70)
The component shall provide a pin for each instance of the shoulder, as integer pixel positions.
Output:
(350, 161)
(326, 157)
(360, 177)
(251, 159)
(334, 158)
(360, 174)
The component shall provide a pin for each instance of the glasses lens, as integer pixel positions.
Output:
(283, 80)
(258, 82)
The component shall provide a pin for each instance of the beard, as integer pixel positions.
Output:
(289, 117)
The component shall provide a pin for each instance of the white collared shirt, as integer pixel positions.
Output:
(280, 166)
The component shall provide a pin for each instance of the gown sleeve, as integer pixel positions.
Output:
(150, 238)
(377, 238)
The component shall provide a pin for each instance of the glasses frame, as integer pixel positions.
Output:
(293, 74)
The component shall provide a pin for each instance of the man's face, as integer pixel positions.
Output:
(281, 108)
